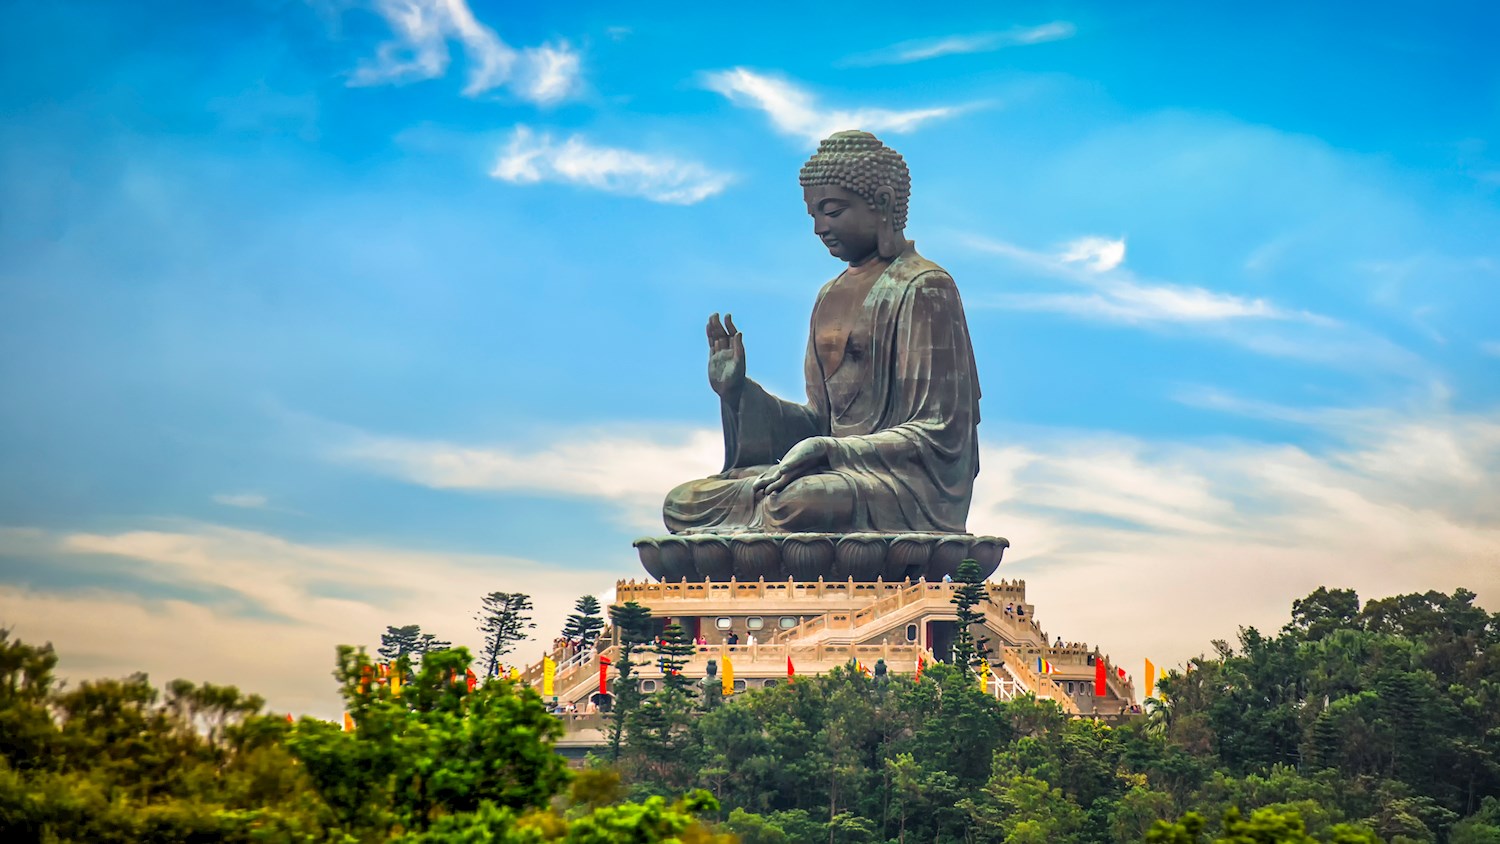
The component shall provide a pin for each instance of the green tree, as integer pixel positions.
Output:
(585, 623)
(435, 750)
(504, 619)
(633, 629)
(966, 649)
(675, 650)
(409, 641)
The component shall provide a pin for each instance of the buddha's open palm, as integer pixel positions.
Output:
(726, 357)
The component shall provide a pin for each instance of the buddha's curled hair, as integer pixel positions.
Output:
(857, 161)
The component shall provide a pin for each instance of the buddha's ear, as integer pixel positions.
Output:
(888, 240)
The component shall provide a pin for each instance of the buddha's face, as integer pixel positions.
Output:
(844, 221)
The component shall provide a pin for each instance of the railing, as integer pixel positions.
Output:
(1043, 685)
(909, 594)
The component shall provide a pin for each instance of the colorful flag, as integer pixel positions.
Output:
(549, 676)
(1101, 677)
(470, 679)
(728, 673)
(791, 673)
(1043, 666)
(348, 723)
(1150, 679)
(603, 675)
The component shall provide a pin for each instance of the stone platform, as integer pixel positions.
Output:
(810, 556)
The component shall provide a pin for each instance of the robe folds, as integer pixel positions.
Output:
(899, 414)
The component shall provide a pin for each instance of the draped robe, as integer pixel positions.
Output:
(899, 413)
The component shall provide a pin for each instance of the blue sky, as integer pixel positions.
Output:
(321, 316)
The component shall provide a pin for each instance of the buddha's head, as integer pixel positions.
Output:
(856, 190)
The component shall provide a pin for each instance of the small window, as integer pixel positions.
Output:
(769, 683)
(911, 632)
(648, 686)
(754, 622)
(1070, 688)
(723, 623)
(740, 686)
(787, 622)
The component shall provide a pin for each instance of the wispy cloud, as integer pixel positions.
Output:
(247, 500)
(309, 597)
(1490, 347)
(533, 157)
(794, 111)
(634, 473)
(907, 52)
(419, 50)
(1099, 254)
(1115, 294)
(1107, 528)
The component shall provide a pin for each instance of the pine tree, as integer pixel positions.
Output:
(632, 624)
(966, 653)
(409, 641)
(397, 642)
(676, 649)
(504, 618)
(585, 622)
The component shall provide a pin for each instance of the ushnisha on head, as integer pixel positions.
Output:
(857, 190)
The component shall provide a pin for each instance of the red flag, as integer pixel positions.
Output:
(921, 665)
(791, 673)
(470, 679)
(366, 673)
(1101, 678)
(290, 719)
(603, 675)
(1120, 672)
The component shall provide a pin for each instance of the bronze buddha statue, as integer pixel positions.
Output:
(886, 440)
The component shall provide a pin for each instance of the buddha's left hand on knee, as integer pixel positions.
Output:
(804, 458)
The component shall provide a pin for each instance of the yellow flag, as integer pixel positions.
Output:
(395, 681)
(1150, 679)
(515, 673)
(728, 674)
(549, 676)
(348, 723)
(984, 675)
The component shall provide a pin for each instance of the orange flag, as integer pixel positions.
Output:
(471, 678)
(348, 723)
(921, 665)
(290, 719)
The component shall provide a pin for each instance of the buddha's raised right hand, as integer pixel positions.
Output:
(726, 358)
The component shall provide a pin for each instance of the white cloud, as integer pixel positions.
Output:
(553, 73)
(310, 599)
(632, 472)
(907, 52)
(247, 500)
(423, 30)
(795, 112)
(1115, 294)
(1149, 548)
(1154, 548)
(530, 158)
(1099, 254)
